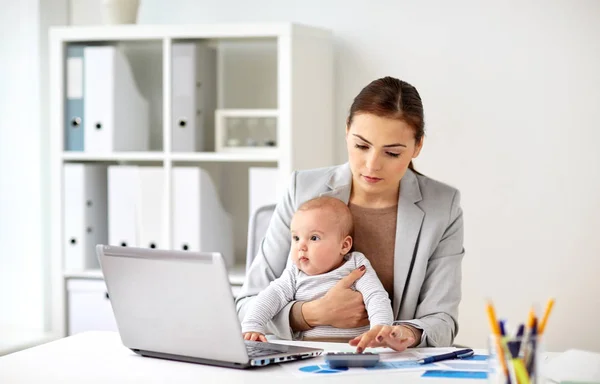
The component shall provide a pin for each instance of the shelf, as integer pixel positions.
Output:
(197, 31)
(237, 273)
(251, 69)
(267, 156)
(86, 274)
(225, 157)
(114, 157)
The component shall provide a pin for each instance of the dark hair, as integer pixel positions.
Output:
(394, 99)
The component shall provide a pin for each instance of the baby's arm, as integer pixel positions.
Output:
(269, 302)
(376, 298)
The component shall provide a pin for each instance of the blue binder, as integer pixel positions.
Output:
(74, 113)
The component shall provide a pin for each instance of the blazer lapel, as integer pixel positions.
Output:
(340, 183)
(408, 227)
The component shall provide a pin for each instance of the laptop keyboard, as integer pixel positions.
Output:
(257, 350)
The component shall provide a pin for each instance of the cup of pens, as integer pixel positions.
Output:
(515, 355)
(514, 360)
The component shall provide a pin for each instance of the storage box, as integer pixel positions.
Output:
(89, 307)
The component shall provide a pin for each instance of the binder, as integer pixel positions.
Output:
(116, 113)
(74, 116)
(200, 223)
(263, 188)
(192, 96)
(151, 220)
(123, 195)
(84, 213)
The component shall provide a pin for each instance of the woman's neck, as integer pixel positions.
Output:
(365, 199)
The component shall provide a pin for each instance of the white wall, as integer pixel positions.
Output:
(24, 172)
(511, 92)
(21, 278)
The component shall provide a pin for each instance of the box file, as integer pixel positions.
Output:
(74, 113)
(263, 188)
(193, 96)
(123, 205)
(116, 114)
(200, 223)
(151, 220)
(85, 222)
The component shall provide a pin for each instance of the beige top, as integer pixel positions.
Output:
(374, 236)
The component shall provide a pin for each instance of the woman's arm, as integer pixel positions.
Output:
(437, 312)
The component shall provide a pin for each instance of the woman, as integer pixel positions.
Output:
(409, 226)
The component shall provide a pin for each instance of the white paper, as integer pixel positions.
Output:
(574, 366)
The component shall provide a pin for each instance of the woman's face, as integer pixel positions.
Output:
(379, 152)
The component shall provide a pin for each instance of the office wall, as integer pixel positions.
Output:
(21, 279)
(510, 91)
(24, 171)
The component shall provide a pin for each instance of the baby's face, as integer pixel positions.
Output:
(317, 242)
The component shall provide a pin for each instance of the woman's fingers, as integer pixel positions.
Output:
(384, 333)
(354, 342)
(399, 345)
(399, 338)
(263, 338)
(364, 342)
(395, 337)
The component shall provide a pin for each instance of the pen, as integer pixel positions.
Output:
(497, 336)
(525, 338)
(447, 356)
(542, 324)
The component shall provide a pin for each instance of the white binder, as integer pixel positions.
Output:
(151, 220)
(123, 196)
(116, 113)
(263, 188)
(84, 206)
(193, 96)
(199, 221)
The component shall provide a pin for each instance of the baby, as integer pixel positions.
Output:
(321, 239)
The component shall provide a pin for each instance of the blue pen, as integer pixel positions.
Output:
(502, 330)
(447, 356)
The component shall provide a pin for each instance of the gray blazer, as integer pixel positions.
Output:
(428, 255)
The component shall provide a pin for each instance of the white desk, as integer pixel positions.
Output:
(99, 357)
(16, 339)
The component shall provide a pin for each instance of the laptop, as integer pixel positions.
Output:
(178, 305)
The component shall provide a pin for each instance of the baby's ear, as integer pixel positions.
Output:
(346, 245)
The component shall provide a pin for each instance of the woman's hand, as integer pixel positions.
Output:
(255, 336)
(341, 307)
(396, 337)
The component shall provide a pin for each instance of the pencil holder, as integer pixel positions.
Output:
(514, 360)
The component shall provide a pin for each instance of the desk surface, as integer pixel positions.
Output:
(100, 357)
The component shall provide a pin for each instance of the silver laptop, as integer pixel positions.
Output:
(179, 305)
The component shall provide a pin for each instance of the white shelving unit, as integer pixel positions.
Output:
(292, 63)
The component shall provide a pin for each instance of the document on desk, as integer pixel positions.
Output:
(391, 361)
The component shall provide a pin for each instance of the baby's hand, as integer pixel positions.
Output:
(255, 336)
